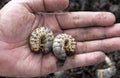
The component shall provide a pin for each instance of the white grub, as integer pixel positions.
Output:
(63, 45)
(60, 74)
(107, 72)
(41, 39)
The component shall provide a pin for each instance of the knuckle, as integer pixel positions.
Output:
(99, 18)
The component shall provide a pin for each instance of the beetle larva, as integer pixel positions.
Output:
(41, 39)
(63, 46)
(107, 72)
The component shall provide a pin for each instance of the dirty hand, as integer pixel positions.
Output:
(20, 17)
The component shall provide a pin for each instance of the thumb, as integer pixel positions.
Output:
(44, 5)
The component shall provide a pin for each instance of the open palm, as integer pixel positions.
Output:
(20, 17)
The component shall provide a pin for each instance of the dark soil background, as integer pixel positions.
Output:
(88, 5)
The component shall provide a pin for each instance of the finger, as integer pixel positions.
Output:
(93, 33)
(85, 19)
(72, 62)
(105, 45)
(44, 5)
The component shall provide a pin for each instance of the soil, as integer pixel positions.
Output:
(88, 5)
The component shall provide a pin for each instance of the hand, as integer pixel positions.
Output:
(20, 17)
